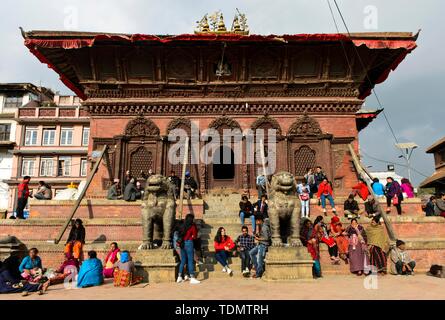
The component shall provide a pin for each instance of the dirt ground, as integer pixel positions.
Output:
(331, 287)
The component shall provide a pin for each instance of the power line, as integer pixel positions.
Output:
(364, 69)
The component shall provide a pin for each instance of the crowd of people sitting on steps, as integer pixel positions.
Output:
(28, 275)
(134, 188)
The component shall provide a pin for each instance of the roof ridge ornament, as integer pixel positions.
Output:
(214, 24)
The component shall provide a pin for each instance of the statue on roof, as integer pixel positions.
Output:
(214, 23)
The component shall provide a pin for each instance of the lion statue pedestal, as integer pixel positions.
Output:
(291, 261)
(157, 265)
(288, 263)
(158, 216)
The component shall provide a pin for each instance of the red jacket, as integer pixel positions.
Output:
(191, 233)
(324, 188)
(362, 190)
(23, 190)
(227, 242)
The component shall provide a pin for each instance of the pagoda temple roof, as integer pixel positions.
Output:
(44, 45)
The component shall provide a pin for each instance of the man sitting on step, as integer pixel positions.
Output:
(244, 243)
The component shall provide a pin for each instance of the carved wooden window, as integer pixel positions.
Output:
(264, 66)
(140, 65)
(106, 62)
(82, 63)
(304, 158)
(306, 65)
(141, 160)
(338, 65)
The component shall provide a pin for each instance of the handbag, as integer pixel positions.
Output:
(395, 200)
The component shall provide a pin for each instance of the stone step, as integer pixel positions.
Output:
(425, 251)
(124, 229)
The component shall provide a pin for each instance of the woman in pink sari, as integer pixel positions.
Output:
(111, 258)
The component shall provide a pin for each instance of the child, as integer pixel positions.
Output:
(305, 198)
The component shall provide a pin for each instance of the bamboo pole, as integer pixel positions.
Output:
(82, 194)
(184, 167)
(263, 162)
(363, 172)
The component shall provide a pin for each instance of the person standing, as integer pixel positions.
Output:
(261, 181)
(305, 199)
(378, 244)
(187, 235)
(325, 192)
(309, 177)
(357, 248)
(258, 253)
(245, 242)
(22, 198)
(76, 239)
(394, 195)
(175, 181)
(319, 176)
(223, 245)
(309, 239)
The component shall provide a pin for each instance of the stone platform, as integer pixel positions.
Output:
(119, 221)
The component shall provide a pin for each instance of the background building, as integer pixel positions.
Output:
(437, 180)
(12, 97)
(51, 144)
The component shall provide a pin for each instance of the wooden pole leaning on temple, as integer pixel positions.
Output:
(82, 194)
(263, 163)
(184, 167)
(364, 173)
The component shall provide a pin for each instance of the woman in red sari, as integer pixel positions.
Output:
(340, 236)
(111, 258)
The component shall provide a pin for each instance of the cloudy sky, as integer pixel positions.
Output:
(412, 96)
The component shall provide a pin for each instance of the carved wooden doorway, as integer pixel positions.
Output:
(308, 147)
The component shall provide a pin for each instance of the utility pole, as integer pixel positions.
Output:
(407, 149)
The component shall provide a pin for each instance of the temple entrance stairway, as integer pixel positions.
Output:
(120, 221)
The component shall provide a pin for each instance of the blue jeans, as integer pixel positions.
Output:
(323, 201)
(187, 256)
(221, 257)
(257, 256)
(242, 216)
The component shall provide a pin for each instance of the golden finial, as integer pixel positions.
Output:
(221, 25)
(236, 26)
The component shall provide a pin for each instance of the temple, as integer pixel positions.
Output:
(137, 88)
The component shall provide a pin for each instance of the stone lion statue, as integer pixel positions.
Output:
(158, 211)
(284, 210)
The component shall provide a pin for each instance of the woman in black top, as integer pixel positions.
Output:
(246, 210)
(76, 239)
